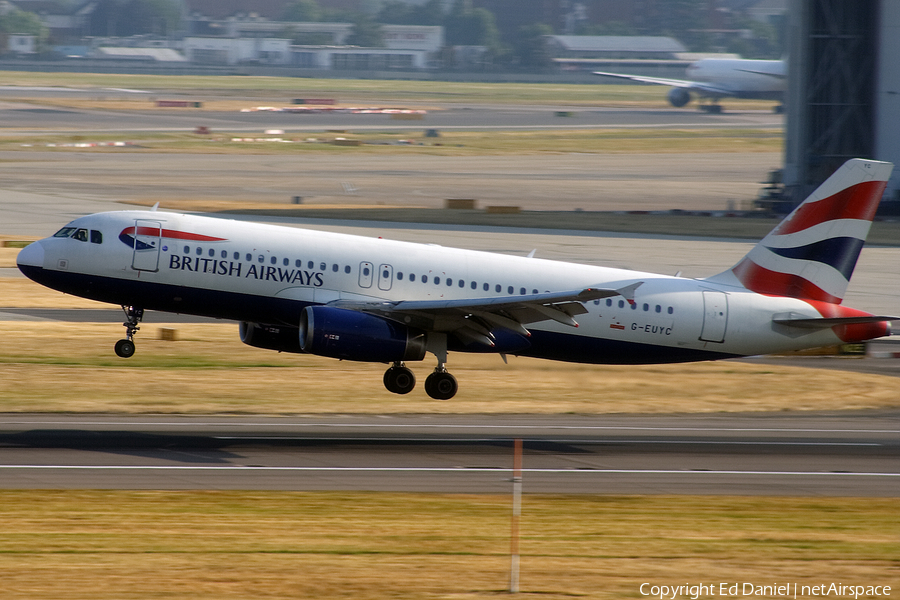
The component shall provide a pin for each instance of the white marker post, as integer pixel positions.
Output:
(517, 512)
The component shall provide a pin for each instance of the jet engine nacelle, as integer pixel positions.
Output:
(282, 339)
(678, 97)
(352, 335)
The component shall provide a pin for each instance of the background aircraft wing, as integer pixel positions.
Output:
(682, 83)
(474, 319)
(703, 89)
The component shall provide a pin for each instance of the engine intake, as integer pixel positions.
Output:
(282, 339)
(678, 97)
(351, 335)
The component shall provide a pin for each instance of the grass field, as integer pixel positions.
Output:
(122, 545)
(451, 143)
(71, 367)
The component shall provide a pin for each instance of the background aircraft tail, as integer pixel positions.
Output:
(811, 254)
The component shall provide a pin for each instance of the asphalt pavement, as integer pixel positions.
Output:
(798, 454)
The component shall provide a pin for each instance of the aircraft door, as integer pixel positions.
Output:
(147, 240)
(366, 273)
(385, 277)
(715, 316)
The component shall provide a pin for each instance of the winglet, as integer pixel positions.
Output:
(627, 292)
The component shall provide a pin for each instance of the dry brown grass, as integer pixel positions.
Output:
(101, 545)
(70, 367)
(51, 366)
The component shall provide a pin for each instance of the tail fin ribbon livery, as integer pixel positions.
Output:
(812, 253)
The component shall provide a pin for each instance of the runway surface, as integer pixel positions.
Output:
(20, 118)
(761, 454)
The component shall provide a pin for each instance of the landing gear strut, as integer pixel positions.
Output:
(440, 385)
(399, 379)
(125, 348)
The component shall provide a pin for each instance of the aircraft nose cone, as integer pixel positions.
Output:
(31, 255)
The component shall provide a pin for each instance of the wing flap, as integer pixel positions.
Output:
(474, 317)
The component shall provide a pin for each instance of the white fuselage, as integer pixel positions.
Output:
(267, 274)
(741, 76)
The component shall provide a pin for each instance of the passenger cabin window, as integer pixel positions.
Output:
(81, 235)
(96, 237)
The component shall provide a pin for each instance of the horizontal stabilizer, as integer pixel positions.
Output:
(825, 323)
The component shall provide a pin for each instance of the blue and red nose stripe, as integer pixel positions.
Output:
(128, 236)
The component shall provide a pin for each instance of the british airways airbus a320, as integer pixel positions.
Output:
(374, 300)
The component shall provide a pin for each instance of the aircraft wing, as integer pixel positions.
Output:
(682, 83)
(766, 73)
(474, 319)
(701, 88)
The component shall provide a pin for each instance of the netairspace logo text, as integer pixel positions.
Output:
(786, 590)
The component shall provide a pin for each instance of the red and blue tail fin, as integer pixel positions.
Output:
(811, 254)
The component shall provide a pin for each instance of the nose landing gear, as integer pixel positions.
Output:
(125, 348)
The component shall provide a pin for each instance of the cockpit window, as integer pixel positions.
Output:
(96, 237)
(81, 235)
(64, 232)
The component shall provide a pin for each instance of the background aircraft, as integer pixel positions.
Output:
(716, 78)
(374, 300)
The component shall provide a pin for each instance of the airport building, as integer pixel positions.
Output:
(843, 91)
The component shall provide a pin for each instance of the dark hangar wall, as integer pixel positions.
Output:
(842, 99)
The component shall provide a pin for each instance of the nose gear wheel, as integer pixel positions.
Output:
(125, 348)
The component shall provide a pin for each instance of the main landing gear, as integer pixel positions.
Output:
(125, 348)
(399, 379)
(440, 385)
